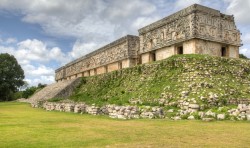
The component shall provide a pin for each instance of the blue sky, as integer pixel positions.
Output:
(46, 34)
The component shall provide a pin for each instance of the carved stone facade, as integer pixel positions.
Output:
(194, 30)
(121, 53)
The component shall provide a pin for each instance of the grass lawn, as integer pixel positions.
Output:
(23, 126)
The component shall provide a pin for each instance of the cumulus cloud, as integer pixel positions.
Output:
(79, 18)
(35, 50)
(240, 9)
(33, 71)
(81, 48)
(180, 4)
(143, 21)
(33, 55)
(99, 21)
(245, 51)
(41, 79)
(11, 40)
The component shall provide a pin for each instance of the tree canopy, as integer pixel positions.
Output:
(11, 76)
(242, 56)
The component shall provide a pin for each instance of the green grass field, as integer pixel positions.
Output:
(23, 126)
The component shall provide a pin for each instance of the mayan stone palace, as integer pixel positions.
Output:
(194, 30)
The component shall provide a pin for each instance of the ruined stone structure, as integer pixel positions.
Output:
(194, 30)
(119, 54)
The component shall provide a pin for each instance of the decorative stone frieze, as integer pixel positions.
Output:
(194, 22)
(125, 48)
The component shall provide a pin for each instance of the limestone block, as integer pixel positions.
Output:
(194, 106)
(191, 117)
(145, 58)
(164, 53)
(221, 116)
(207, 119)
(248, 117)
(113, 66)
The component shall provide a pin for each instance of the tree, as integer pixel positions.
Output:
(242, 56)
(11, 76)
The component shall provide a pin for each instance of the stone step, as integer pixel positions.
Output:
(61, 89)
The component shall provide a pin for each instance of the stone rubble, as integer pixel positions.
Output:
(188, 110)
(113, 111)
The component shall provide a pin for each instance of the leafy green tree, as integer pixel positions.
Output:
(29, 92)
(11, 76)
(242, 56)
(40, 85)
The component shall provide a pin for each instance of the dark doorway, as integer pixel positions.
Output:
(223, 51)
(105, 69)
(120, 65)
(180, 50)
(152, 57)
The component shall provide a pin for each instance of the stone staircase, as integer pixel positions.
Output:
(56, 90)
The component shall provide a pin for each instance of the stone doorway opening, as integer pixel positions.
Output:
(180, 50)
(152, 56)
(120, 65)
(223, 51)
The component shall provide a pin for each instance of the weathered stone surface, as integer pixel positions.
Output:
(170, 110)
(176, 118)
(121, 53)
(221, 116)
(207, 119)
(195, 21)
(194, 106)
(248, 117)
(210, 113)
(191, 117)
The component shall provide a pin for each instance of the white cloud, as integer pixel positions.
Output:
(240, 9)
(81, 48)
(42, 79)
(89, 19)
(143, 21)
(33, 71)
(246, 38)
(245, 51)
(29, 52)
(180, 4)
(35, 50)
(11, 40)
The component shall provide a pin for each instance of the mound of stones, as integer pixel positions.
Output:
(113, 111)
(190, 110)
